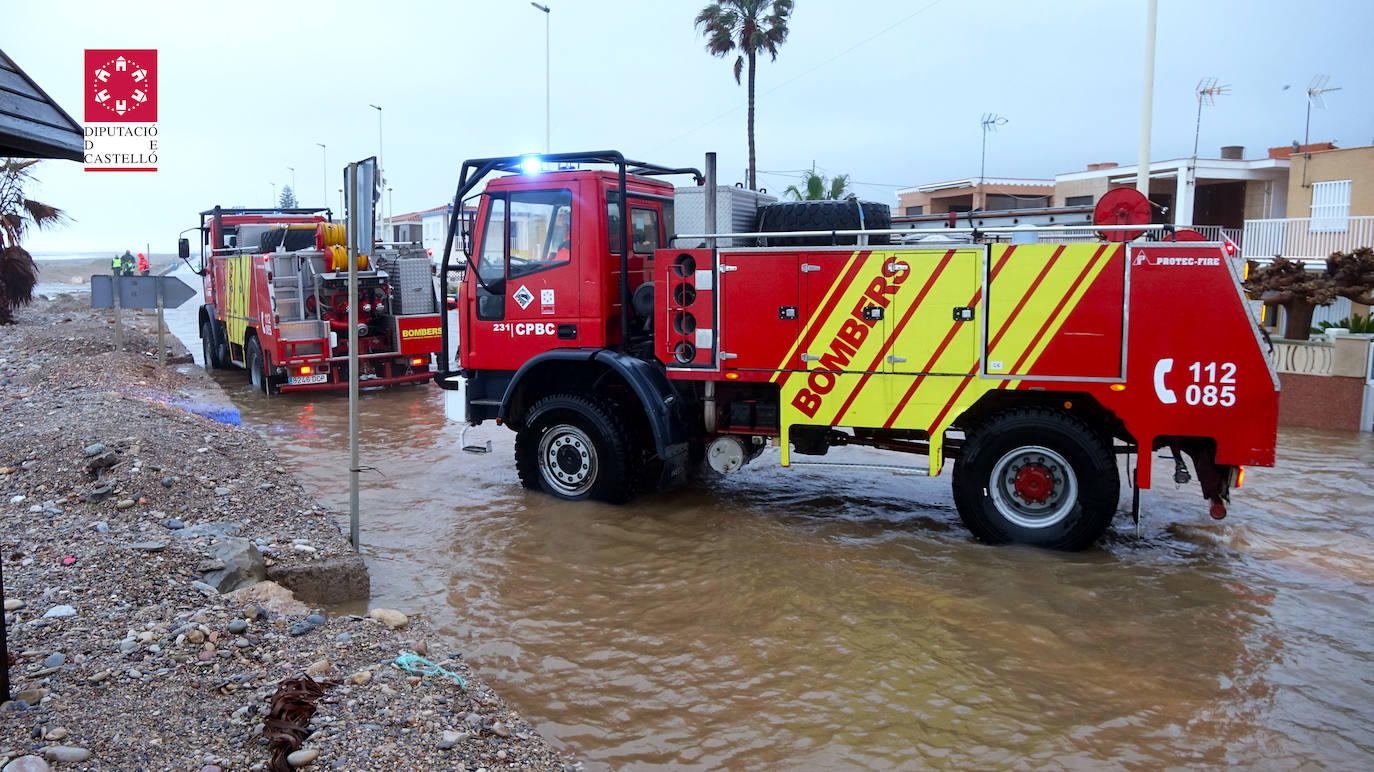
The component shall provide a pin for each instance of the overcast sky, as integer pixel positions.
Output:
(888, 91)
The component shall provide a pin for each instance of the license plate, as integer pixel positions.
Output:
(315, 378)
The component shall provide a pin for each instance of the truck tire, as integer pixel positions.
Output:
(574, 447)
(1036, 476)
(212, 354)
(822, 216)
(257, 366)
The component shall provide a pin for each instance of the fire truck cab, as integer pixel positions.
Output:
(622, 353)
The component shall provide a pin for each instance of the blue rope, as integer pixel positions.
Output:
(408, 662)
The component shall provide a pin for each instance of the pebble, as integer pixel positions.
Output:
(343, 637)
(124, 503)
(55, 660)
(450, 739)
(95, 450)
(27, 764)
(316, 619)
(68, 754)
(56, 733)
(98, 677)
(205, 656)
(13, 604)
(317, 668)
(389, 617)
(173, 524)
(222, 491)
(302, 757)
(301, 628)
(17, 499)
(237, 626)
(60, 612)
(149, 546)
(101, 527)
(167, 482)
(128, 646)
(501, 729)
(361, 677)
(241, 643)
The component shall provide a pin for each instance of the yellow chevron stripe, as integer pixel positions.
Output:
(834, 287)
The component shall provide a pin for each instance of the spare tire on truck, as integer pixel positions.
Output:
(841, 215)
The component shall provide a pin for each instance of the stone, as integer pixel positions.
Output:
(173, 524)
(302, 757)
(195, 636)
(500, 729)
(361, 677)
(67, 754)
(316, 619)
(102, 527)
(95, 449)
(236, 626)
(449, 739)
(60, 612)
(328, 581)
(56, 733)
(243, 565)
(100, 492)
(205, 656)
(98, 677)
(167, 482)
(124, 504)
(222, 491)
(13, 604)
(148, 546)
(318, 668)
(301, 628)
(55, 660)
(389, 617)
(102, 461)
(270, 596)
(343, 638)
(27, 764)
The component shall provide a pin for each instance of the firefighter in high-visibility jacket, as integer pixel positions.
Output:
(116, 264)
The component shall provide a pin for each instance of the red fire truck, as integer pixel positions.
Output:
(276, 302)
(620, 359)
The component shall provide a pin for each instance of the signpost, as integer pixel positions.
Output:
(143, 292)
(360, 182)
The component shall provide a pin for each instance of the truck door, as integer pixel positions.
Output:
(530, 303)
(760, 310)
(932, 320)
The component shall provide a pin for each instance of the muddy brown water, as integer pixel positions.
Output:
(801, 619)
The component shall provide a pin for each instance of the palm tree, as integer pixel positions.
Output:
(814, 187)
(752, 27)
(18, 274)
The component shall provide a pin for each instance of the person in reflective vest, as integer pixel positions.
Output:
(116, 264)
(126, 263)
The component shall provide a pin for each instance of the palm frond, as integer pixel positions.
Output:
(42, 214)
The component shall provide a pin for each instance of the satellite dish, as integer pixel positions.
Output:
(1122, 206)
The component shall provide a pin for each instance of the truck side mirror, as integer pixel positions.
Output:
(183, 248)
(467, 242)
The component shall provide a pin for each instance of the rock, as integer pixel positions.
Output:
(318, 668)
(270, 596)
(205, 588)
(102, 461)
(27, 764)
(331, 580)
(13, 604)
(301, 628)
(67, 754)
(148, 546)
(173, 524)
(389, 617)
(450, 739)
(195, 636)
(55, 660)
(98, 677)
(56, 733)
(205, 656)
(124, 504)
(95, 449)
(60, 612)
(316, 619)
(236, 626)
(14, 705)
(243, 565)
(101, 527)
(100, 492)
(361, 677)
(302, 757)
(241, 643)
(343, 638)
(222, 491)
(167, 482)
(17, 499)
(500, 729)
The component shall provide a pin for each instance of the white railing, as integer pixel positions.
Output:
(1302, 238)
(1303, 358)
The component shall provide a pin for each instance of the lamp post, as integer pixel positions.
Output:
(324, 165)
(292, 169)
(274, 194)
(545, 9)
(990, 123)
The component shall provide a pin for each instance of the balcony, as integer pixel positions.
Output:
(1305, 239)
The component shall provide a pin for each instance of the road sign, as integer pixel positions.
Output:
(140, 291)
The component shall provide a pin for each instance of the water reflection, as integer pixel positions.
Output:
(788, 618)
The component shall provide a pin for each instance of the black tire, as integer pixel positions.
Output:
(257, 365)
(212, 354)
(574, 447)
(823, 216)
(1036, 476)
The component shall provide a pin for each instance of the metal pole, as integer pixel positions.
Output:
(4, 645)
(381, 174)
(982, 166)
(119, 332)
(547, 143)
(1142, 173)
(353, 249)
(711, 198)
(161, 341)
(324, 164)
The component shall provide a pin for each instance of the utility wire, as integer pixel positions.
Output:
(804, 73)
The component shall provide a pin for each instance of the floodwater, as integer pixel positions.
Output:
(782, 619)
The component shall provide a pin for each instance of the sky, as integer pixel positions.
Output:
(892, 96)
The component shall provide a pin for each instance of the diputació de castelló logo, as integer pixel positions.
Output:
(121, 110)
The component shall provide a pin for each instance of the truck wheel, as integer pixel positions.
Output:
(257, 366)
(211, 354)
(1037, 477)
(574, 447)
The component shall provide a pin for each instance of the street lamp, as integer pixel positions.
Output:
(324, 164)
(274, 194)
(292, 169)
(545, 9)
(990, 123)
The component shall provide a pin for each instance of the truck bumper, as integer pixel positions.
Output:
(367, 383)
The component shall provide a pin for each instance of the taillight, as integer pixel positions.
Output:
(306, 370)
(417, 361)
(1240, 477)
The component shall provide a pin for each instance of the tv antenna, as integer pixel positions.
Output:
(990, 122)
(1315, 90)
(1207, 91)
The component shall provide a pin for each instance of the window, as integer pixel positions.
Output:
(918, 209)
(493, 261)
(1001, 202)
(1078, 201)
(643, 228)
(1330, 205)
(540, 231)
